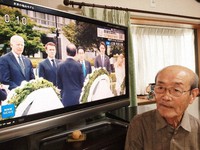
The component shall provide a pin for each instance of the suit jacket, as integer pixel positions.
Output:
(47, 71)
(11, 73)
(3, 95)
(88, 67)
(98, 63)
(70, 80)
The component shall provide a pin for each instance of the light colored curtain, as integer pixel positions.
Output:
(121, 18)
(157, 47)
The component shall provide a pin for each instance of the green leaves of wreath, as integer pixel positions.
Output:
(88, 83)
(22, 92)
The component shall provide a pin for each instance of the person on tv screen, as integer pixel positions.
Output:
(119, 66)
(86, 66)
(48, 67)
(169, 126)
(3, 93)
(102, 60)
(70, 77)
(15, 67)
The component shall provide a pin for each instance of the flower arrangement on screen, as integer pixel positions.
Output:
(17, 95)
(97, 73)
(122, 91)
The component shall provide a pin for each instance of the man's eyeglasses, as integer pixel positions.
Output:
(173, 91)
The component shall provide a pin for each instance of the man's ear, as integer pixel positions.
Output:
(194, 94)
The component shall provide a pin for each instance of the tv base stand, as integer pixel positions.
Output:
(106, 134)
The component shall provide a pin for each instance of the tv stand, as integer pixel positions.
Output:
(103, 131)
(104, 134)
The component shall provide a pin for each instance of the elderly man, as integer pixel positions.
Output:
(169, 127)
(15, 67)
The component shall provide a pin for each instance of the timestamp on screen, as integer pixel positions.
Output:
(19, 20)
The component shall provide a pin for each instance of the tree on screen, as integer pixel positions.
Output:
(69, 32)
(86, 34)
(81, 34)
(12, 21)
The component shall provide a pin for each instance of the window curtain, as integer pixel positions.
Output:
(121, 18)
(158, 47)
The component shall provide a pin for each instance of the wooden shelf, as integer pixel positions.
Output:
(142, 100)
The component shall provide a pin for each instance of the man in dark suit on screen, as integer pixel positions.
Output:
(102, 60)
(15, 67)
(70, 78)
(48, 67)
(86, 66)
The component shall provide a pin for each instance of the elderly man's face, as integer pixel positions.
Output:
(168, 105)
(17, 45)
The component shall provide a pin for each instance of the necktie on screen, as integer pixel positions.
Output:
(102, 60)
(84, 68)
(53, 64)
(21, 65)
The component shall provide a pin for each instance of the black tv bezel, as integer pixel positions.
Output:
(41, 121)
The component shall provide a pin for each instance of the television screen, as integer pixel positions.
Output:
(38, 104)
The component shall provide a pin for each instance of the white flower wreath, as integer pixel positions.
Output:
(19, 94)
(91, 83)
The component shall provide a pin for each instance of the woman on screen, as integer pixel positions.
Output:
(119, 66)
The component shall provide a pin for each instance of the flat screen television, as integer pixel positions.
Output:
(61, 27)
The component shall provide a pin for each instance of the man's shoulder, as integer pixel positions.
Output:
(145, 116)
(98, 56)
(6, 58)
(58, 60)
(193, 120)
(86, 61)
(144, 120)
(76, 63)
(71, 60)
(106, 56)
(26, 59)
(43, 61)
(62, 63)
(9, 54)
(148, 113)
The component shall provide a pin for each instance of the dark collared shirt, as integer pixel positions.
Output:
(149, 131)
